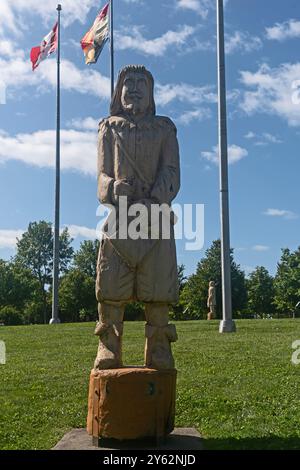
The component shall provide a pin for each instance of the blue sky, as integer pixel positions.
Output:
(176, 40)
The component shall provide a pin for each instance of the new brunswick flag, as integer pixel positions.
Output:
(95, 39)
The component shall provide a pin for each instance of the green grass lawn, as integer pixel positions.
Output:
(241, 390)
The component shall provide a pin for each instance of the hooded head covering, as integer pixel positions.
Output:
(116, 107)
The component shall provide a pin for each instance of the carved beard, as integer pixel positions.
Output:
(134, 105)
(135, 108)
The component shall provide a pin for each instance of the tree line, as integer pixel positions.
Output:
(26, 280)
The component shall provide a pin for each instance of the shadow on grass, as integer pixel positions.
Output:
(261, 443)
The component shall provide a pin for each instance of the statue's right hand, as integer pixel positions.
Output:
(123, 188)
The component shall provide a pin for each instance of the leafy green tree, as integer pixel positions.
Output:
(134, 311)
(85, 259)
(193, 297)
(10, 315)
(181, 277)
(33, 310)
(77, 298)
(35, 252)
(260, 287)
(17, 285)
(287, 281)
(177, 312)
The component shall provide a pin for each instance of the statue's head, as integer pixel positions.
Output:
(134, 92)
(212, 284)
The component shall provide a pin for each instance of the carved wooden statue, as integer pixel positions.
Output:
(138, 157)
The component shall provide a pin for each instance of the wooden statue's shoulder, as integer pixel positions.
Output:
(113, 121)
(165, 122)
(103, 125)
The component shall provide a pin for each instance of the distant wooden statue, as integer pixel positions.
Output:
(211, 301)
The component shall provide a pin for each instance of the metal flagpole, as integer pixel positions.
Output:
(227, 325)
(55, 318)
(112, 59)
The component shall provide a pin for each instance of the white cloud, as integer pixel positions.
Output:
(12, 13)
(8, 21)
(8, 48)
(195, 44)
(78, 150)
(250, 135)
(85, 124)
(77, 231)
(88, 81)
(20, 69)
(235, 154)
(201, 7)
(248, 269)
(274, 91)
(242, 42)
(195, 115)
(212, 157)
(281, 213)
(157, 46)
(263, 139)
(271, 138)
(233, 95)
(8, 238)
(281, 31)
(260, 248)
(85, 81)
(74, 79)
(184, 92)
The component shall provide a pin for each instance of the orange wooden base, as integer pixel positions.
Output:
(131, 403)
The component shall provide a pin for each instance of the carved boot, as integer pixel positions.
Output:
(159, 336)
(110, 331)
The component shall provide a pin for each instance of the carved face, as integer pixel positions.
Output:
(135, 96)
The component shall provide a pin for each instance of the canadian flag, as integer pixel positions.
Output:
(47, 47)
